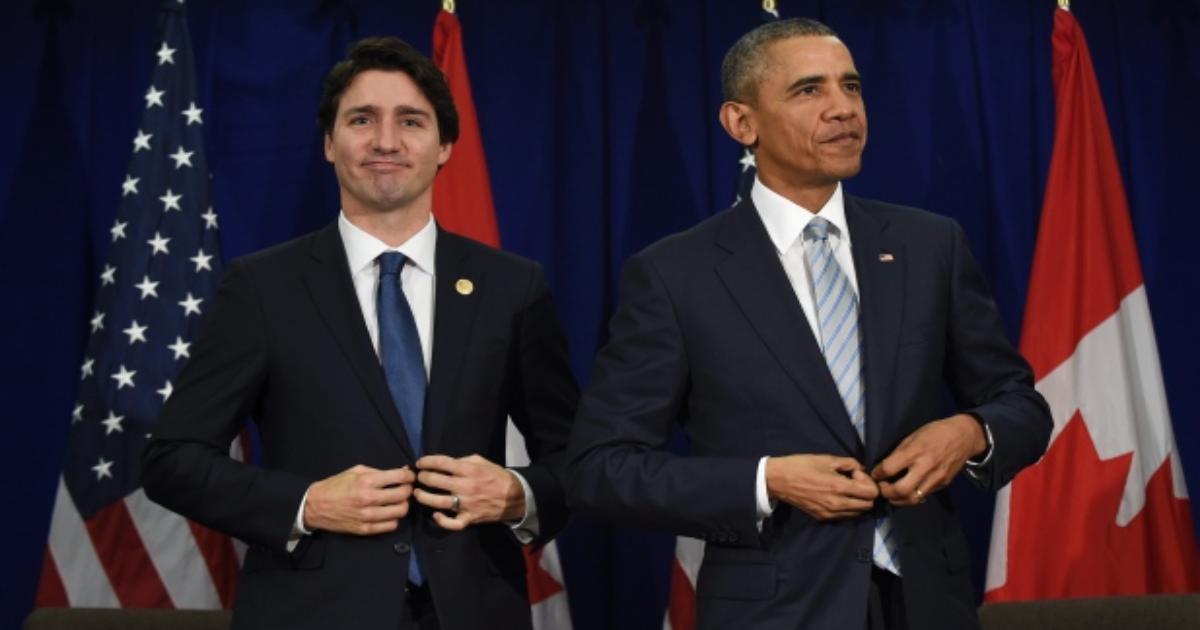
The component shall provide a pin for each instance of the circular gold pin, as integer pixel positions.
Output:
(464, 286)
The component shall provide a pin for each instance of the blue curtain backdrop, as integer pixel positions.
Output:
(599, 122)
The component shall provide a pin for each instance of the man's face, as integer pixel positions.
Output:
(809, 120)
(384, 146)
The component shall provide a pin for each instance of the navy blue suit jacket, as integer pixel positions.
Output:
(709, 332)
(286, 343)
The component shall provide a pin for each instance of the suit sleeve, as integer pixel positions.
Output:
(544, 397)
(639, 385)
(186, 466)
(987, 375)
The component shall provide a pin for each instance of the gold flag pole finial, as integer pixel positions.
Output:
(1065, 5)
(448, 6)
(769, 6)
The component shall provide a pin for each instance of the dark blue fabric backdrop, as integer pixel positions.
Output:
(599, 121)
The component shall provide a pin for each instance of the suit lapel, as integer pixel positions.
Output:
(879, 264)
(453, 313)
(757, 282)
(331, 289)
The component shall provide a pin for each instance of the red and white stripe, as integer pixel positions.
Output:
(136, 554)
(681, 603)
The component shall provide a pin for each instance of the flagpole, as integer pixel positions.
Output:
(448, 6)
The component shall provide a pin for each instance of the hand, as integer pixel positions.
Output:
(486, 492)
(824, 486)
(360, 501)
(929, 459)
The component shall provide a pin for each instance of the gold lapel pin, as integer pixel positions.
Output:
(464, 286)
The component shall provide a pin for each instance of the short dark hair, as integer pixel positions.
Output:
(746, 61)
(392, 55)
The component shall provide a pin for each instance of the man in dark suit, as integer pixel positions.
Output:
(360, 517)
(801, 339)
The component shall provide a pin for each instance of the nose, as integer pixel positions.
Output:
(840, 107)
(385, 138)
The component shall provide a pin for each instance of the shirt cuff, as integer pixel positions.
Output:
(526, 529)
(976, 465)
(766, 507)
(298, 530)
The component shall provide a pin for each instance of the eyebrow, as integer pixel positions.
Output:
(818, 79)
(403, 110)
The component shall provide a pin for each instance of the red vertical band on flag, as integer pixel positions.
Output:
(1085, 233)
(462, 203)
(1105, 512)
(462, 192)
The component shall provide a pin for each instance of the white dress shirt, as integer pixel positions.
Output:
(785, 222)
(417, 279)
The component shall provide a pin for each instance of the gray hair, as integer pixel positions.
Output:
(746, 63)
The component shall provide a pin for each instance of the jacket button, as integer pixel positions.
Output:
(863, 555)
(402, 548)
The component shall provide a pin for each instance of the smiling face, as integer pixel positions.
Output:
(384, 145)
(808, 123)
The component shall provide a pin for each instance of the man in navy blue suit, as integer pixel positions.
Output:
(802, 339)
(381, 501)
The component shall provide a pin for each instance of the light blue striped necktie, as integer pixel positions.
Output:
(841, 343)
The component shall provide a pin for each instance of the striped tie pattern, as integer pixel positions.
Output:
(841, 343)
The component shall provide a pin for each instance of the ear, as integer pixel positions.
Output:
(444, 153)
(738, 121)
(329, 148)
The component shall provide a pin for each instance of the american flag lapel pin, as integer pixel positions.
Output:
(886, 257)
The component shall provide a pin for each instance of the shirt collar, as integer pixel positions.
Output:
(785, 220)
(362, 249)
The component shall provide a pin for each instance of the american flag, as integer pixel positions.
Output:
(689, 552)
(109, 546)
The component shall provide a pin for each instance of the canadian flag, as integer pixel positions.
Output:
(1105, 512)
(462, 203)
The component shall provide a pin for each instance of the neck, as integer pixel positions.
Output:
(393, 227)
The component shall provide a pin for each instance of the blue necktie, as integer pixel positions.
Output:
(841, 343)
(403, 362)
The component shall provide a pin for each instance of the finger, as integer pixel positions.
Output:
(443, 463)
(892, 467)
(889, 492)
(383, 513)
(847, 465)
(454, 524)
(383, 478)
(863, 486)
(438, 480)
(436, 501)
(392, 495)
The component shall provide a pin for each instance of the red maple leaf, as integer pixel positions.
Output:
(1077, 549)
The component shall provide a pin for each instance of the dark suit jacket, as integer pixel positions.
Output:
(286, 343)
(709, 331)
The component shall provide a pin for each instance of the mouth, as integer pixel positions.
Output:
(842, 138)
(384, 165)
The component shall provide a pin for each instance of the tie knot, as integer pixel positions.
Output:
(390, 263)
(818, 228)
